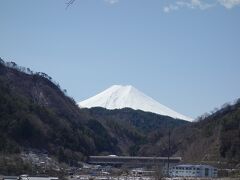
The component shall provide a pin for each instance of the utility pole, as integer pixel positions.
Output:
(168, 149)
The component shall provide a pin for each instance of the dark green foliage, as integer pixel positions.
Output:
(103, 141)
(136, 130)
(144, 121)
(12, 164)
(215, 138)
(36, 114)
(133, 150)
(230, 134)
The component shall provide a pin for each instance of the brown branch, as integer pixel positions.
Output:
(69, 3)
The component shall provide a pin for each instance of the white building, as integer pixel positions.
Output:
(141, 172)
(189, 170)
(26, 177)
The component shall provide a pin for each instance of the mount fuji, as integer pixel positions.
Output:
(118, 97)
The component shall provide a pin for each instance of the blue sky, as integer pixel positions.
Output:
(183, 53)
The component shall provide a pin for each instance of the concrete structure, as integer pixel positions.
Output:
(9, 178)
(141, 172)
(133, 160)
(189, 170)
(42, 178)
(26, 177)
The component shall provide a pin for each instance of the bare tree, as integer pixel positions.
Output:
(69, 3)
(158, 174)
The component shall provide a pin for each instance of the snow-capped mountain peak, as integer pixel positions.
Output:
(118, 97)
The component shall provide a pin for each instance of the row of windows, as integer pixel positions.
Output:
(187, 172)
(187, 168)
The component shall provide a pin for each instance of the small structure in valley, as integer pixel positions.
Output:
(190, 170)
(133, 160)
(141, 172)
(26, 177)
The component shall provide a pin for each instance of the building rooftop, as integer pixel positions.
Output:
(136, 157)
(193, 165)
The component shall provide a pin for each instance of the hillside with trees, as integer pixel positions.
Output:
(213, 139)
(134, 129)
(35, 113)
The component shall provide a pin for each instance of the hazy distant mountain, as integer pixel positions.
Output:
(118, 97)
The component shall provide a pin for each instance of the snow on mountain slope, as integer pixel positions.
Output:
(118, 97)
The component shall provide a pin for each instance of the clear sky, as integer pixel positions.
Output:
(183, 53)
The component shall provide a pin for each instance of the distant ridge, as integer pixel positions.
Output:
(119, 96)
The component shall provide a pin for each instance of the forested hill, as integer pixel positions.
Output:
(215, 138)
(135, 129)
(36, 113)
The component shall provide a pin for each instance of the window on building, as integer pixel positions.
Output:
(206, 172)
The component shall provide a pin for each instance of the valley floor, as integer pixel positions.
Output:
(88, 177)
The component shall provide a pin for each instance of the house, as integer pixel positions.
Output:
(190, 170)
